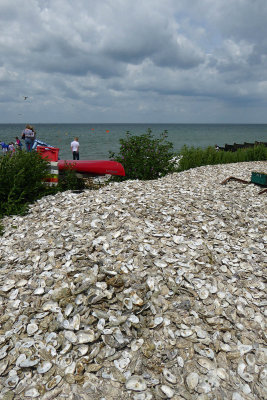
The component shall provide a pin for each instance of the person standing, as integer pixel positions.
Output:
(75, 148)
(29, 135)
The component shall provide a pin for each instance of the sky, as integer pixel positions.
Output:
(142, 61)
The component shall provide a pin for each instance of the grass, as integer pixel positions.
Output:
(192, 157)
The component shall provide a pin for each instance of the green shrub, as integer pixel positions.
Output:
(68, 180)
(145, 157)
(191, 157)
(21, 176)
(22, 181)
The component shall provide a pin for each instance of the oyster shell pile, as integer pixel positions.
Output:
(141, 290)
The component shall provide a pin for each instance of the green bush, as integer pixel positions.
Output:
(21, 176)
(22, 181)
(145, 157)
(191, 157)
(68, 180)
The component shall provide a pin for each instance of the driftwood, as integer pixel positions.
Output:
(233, 178)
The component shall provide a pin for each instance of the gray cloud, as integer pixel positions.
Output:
(162, 60)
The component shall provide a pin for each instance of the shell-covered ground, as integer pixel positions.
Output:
(139, 290)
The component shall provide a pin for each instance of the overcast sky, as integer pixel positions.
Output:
(133, 61)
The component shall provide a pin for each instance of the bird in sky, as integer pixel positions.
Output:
(26, 97)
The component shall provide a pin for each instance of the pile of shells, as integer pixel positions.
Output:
(140, 290)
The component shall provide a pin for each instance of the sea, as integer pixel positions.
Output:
(97, 139)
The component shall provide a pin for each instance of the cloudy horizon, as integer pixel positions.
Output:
(145, 61)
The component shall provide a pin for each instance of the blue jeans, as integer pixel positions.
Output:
(28, 144)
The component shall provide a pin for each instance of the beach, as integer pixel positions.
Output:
(139, 290)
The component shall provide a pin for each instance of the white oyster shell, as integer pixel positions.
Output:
(70, 336)
(32, 329)
(169, 376)
(139, 289)
(44, 367)
(169, 392)
(86, 336)
(12, 381)
(192, 380)
(136, 383)
(32, 393)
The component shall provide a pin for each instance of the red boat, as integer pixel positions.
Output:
(89, 167)
(93, 167)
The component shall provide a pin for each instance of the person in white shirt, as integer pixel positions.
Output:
(75, 148)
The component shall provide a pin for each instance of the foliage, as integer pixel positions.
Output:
(145, 157)
(21, 181)
(68, 180)
(21, 176)
(195, 157)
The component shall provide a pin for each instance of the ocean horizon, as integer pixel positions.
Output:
(97, 139)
